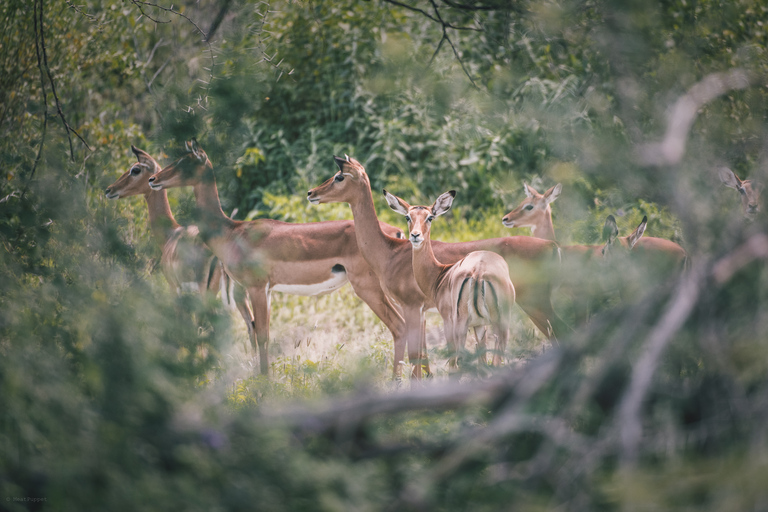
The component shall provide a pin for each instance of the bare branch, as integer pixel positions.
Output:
(683, 114)
(756, 247)
(59, 111)
(446, 38)
(218, 19)
(44, 95)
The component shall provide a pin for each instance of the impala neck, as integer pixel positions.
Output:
(374, 245)
(544, 228)
(426, 269)
(161, 221)
(212, 220)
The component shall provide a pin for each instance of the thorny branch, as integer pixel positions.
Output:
(263, 45)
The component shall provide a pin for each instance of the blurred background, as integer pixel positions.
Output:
(119, 394)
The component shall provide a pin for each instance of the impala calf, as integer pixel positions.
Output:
(267, 255)
(473, 292)
(187, 264)
(749, 190)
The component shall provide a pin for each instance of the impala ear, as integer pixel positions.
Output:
(194, 148)
(142, 156)
(529, 191)
(443, 203)
(637, 233)
(729, 178)
(396, 203)
(340, 161)
(553, 193)
(610, 230)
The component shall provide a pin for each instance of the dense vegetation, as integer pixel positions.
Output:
(118, 394)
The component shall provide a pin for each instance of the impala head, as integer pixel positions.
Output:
(750, 191)
(420, 217)
(134, 181)
(534, 209)
(612, 239)
(191, 168)
(343, 186)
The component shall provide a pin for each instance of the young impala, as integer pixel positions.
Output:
(530, 260)
(750, 192)
(267, 255)
(475, 291)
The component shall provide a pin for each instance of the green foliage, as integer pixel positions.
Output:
(116, 392)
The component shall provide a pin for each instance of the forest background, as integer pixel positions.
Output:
(105, 399)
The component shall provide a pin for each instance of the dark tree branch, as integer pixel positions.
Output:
(59, 110)
(218, 19)
(44, 95)
(446, 38)
(466, 7)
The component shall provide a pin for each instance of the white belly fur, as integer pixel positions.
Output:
(337, 280)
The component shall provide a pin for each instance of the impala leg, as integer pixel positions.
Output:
(423, 344)
(241, 300)
(502, 337)
(481, 334)
(260, 305)
(371, 293)
(414, 340)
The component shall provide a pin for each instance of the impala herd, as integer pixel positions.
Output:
(471, 284)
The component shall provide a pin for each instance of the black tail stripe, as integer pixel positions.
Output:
(495, 297)
(461, 289)
(211, 268)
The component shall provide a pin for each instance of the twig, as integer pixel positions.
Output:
(205, 38)
(446, 38)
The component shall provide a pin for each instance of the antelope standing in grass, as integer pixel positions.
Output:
(266, 255)
(531, 261)
(473, 292)
(579, 261)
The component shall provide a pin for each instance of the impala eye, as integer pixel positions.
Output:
(743, 191)
(135, 170)
(430, 218)
(528, 207)
(339, 177)
(408, 218)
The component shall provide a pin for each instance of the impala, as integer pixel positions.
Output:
(267, 255)
(188, 265)
(580, 262)
(750, 191)
(475, 291)
(530, 260)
